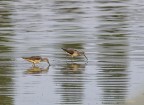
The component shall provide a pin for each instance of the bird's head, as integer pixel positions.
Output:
(45, 60)
(83, 53)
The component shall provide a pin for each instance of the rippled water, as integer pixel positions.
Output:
(109, 31)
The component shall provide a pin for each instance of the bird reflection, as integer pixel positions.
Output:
(36, 70)
(73, 68)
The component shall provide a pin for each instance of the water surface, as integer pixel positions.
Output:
(110, 33)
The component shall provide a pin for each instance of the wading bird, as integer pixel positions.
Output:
(74, 53)
(36, 59)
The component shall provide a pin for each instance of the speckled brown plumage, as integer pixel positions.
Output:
(36, 59)
(73, 52)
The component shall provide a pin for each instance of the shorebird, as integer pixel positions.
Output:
(74, 53)
(36, 59)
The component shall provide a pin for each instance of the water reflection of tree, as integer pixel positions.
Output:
(70, 79)
(113, 52)
(67, 17)
(6, 72)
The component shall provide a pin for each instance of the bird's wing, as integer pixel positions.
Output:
(69, 50)
(32, 58)
(36, 57)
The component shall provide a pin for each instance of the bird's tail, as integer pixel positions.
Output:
(24, 58)
(64, 49)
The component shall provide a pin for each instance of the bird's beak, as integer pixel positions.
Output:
(85, 56)
(48, 62)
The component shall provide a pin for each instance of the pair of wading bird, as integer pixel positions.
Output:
(70, 51)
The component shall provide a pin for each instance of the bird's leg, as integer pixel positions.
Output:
(33, 64)
(66, 59)
(72, 59)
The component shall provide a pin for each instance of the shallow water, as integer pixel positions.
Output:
(110, 33)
